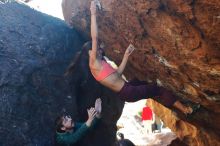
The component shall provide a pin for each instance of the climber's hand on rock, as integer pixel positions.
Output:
(93, 8)
(129, 50)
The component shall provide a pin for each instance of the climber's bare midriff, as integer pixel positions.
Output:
(113, 81)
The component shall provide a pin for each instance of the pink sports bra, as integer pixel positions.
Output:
(107, 70)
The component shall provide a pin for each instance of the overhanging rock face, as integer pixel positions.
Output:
(35, 50)
(178, 45)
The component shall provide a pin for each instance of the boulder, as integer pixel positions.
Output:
(35, 51)
(177, 45)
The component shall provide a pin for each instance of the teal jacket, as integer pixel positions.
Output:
(79, 131)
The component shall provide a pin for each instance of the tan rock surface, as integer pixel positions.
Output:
(177, 44)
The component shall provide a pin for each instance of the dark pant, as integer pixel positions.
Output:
(136, 90)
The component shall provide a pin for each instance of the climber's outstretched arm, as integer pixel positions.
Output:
(94, 31)
(128, 52)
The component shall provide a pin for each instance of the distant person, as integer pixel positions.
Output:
(69, 132)
(158, 122)
(147, 119)
(123, 142)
